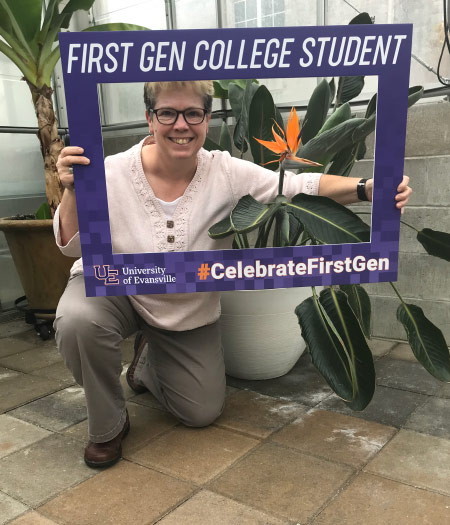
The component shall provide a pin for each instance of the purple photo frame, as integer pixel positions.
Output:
(383, 50)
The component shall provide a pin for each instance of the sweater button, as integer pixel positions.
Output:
(170, 224)
(171, 238)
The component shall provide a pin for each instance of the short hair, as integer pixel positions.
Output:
(204, 88)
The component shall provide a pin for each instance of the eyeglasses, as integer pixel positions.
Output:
(169, 116)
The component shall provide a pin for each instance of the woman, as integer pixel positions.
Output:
(163, 195)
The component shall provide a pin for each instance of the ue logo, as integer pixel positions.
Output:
(103, 273)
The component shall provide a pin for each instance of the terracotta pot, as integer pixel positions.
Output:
(261, 336)
(42, 269)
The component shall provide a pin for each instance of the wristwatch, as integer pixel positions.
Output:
(361, 190)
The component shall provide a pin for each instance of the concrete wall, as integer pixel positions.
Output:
(423, 280)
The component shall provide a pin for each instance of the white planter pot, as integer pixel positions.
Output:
(260, 332)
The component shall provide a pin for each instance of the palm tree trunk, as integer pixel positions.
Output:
(51, 144)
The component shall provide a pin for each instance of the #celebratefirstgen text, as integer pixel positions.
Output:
(235, 54)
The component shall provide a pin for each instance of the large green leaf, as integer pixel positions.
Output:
(362, 18)
(325, 146)
(240, 100)
(359, 302)
(343, 114)
(338, 347)
(221, 86)
(328, 221)
(348, 89)
(342, 161)
(249, 214)
(435, 242)
(27, 14)
(262, 115)
(317, 111)
(295, 228)
(368, 125)
(43, 211)
(426, 340)
(210, 145)
(221, 229)
(225, 138)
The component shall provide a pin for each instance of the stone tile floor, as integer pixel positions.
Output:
(285, 451)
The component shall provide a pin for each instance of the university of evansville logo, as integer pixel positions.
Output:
(103, 273)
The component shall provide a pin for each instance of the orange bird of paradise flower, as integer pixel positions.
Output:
(287, 145)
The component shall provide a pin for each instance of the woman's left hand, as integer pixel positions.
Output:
(403, 193)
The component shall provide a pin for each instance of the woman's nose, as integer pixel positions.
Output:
(180, 122)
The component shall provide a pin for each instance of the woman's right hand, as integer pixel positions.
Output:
(69, 156)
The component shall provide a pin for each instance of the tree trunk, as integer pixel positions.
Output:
(51, 144)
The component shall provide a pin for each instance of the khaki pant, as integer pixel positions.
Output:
(183, 370)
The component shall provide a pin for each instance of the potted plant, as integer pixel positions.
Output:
(29, 31)
(336, 324)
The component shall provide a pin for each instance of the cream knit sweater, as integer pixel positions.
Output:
(138, 223)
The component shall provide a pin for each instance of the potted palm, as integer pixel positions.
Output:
(29, 31)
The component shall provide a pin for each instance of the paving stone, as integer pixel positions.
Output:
(416, 459)
(371, 500)
(30, 335)
(56, 411)
(196, 454)
(56, 371)
(38, 357)
(389, 406)
(256, 414)
(282, 482)
(32, 518)
(207, 507)
(146, 424)
(303, 384)
(42, 470)
(380, 347)
(403, 352)
(406, 375)
(10, 345)
(7, 373)
(431, 418)
(121, 495)
(13, 328)
(16, 434)
(444, 391)
(10, 508)
(22, 388)
(337, 437)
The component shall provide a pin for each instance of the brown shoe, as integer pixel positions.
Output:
(102, 455)
(139, 345)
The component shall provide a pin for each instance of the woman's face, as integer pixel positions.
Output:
(179, 140)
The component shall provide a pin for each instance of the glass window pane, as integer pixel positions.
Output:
(278, 20)
(251, 9)
(192, 14)
(22, 165)
(266, 7)
(123, 102)
(278, 6)
(267, 21)
(239, 12)
(16, 108)
(252, 23)
(144, 13)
